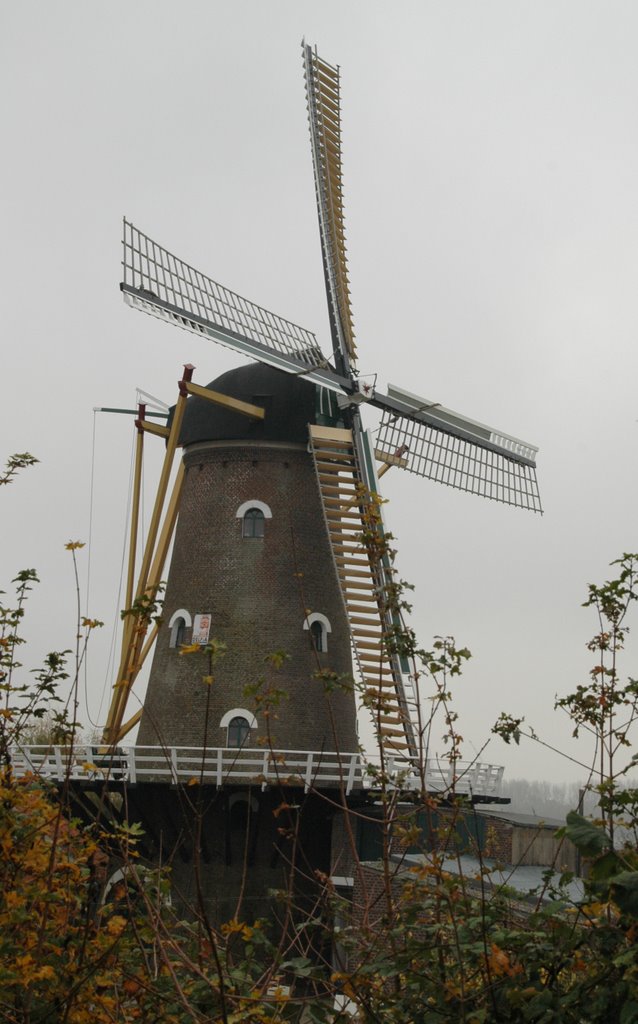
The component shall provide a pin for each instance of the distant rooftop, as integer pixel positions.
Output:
(520, 818)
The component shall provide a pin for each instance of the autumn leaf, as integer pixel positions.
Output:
(235, 927)
(92, 623)
(189, 648)
(115, 925)
(499, 961)
(44, 973)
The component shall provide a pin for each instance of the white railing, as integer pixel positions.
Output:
(219, 765)
(471, 778)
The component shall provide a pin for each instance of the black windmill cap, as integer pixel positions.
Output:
(289, 403)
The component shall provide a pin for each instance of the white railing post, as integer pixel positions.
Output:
(219, 767)
(59, 764)
(351, 772)
(308, 778)
(174, 764)
(131, 773)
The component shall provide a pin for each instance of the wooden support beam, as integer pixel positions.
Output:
(330, 471)
(146, 650)
(372, 664)
(154, 428)
(139, 653)
(135, 506)
(391, 460)
(336, 516)
(126, 728)
(340, 491)
(354, 563)
(330, 435)
(360, 608)
(134, 631)
(364, 574)
(254, 412)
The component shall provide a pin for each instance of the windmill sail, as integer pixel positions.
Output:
(157, 282)
(452, 449)
(324, 115)
(365, 578)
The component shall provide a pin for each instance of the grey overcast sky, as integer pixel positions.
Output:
(491, 162)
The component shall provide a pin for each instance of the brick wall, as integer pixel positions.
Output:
(258, 592)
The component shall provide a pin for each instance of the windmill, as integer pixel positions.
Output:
(415, 434)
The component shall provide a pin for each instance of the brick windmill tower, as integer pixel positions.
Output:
(280, 578)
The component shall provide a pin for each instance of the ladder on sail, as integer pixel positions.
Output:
(356, 538)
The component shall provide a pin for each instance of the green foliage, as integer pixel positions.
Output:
(14, 464)
(587, 837)
(146, 608)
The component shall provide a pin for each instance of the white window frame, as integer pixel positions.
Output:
(244, 798)
(253, 503)
(173, 624)
(325, 626)
(227, 718)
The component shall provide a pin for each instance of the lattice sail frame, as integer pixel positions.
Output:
(324, 116)
(159, 283)
(461, 462)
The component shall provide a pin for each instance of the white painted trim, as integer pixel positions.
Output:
(244, 798)
(181, 613)
(317, 617)
(117, 876)
(325, 626)
(238, 713)
(253, 503)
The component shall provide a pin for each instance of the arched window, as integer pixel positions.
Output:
(316, 632)
(238, 722)
(177, 633)
(180, 621)
(319, 627)
(252, 524)
(253, 514)
(238, 732)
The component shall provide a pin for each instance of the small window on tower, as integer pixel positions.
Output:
(180, 621)
(317, 634)
(318, 626)
(177, 636)
(238, 732)
(253, 523)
